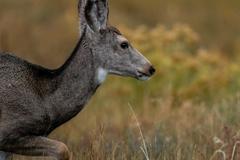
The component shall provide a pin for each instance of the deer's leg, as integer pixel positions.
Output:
(5, 156)
(40, 146)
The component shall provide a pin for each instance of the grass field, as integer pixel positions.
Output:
(188, 111)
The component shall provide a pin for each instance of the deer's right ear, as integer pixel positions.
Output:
(94, 14)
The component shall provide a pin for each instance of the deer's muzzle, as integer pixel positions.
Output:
(146, 72)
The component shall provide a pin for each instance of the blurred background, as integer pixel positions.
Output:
(187, 111)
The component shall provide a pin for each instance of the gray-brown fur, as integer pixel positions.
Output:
(35, 100)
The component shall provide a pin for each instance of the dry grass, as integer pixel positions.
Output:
(185, 132)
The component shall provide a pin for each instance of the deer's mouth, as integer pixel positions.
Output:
(143, 76)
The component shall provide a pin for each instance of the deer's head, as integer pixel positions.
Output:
(112, 51)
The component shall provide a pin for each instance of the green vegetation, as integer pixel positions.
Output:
(187, 111)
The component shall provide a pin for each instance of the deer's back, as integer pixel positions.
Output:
(21, 101)
(16, 77)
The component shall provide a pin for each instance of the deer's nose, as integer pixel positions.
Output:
(148, 70)
(152, 70)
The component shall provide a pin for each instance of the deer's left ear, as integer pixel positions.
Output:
(96, 14)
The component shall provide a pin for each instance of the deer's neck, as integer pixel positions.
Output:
(76, 84)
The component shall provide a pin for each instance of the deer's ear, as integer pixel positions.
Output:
(96, 14)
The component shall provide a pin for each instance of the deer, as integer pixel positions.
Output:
(35, 100)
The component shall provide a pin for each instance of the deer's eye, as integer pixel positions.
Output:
(124, 45)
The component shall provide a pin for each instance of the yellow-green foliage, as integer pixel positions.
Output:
(186, 71)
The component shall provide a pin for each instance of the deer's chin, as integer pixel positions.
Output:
(137, 75)
(143, 78)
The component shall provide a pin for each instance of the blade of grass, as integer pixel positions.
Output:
(144, 148)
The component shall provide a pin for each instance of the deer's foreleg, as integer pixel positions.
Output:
(40, 146)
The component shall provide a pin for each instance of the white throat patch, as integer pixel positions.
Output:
(101, 75)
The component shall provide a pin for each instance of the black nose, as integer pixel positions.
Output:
(152, 70)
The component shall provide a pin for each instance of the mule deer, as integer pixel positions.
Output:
(35, 100)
